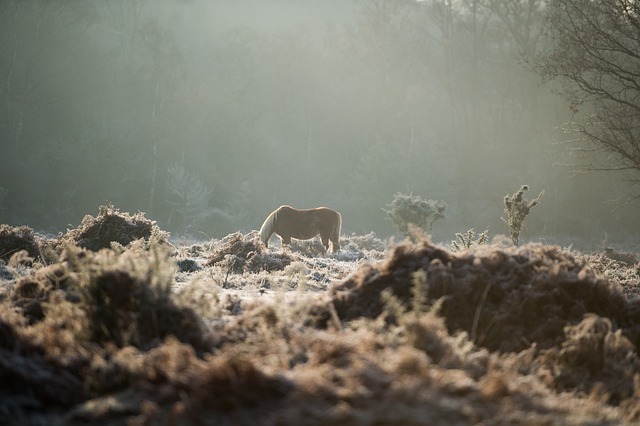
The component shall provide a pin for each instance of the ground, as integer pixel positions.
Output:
(116, 323)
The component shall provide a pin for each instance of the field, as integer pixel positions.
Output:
(114, 323)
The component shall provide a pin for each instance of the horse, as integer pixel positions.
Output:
(288, 222)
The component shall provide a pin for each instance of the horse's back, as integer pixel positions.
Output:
(306, 221)
(318, 210)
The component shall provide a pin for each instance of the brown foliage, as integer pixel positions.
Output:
(572, 328)
(505, 300)
(111, 225)
(30, 292)
(524, 335)
(171, 384)
(15, 239)
(594, 359)
(49, 383)
(240, 253)
(131, 306)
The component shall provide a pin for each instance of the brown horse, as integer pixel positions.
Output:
(289, 223)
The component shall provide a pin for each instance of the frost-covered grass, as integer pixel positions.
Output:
(244, 271)
(224, 331)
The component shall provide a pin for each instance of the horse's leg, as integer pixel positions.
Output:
(334, 235)
(325, 242)
(286, 240)
(335, 245)
(335, 241)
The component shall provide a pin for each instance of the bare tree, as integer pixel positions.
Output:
(523, 20)
(596, 57)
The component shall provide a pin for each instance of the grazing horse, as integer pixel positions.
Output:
(289, 223)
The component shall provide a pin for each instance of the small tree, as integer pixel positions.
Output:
(517, 208)
(189, 198)
(407, 209)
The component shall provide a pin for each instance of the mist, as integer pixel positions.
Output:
(207, 115)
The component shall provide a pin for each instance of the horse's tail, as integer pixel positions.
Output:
(267, 228)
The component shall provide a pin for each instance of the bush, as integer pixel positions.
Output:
(517, 209)
(407, 209)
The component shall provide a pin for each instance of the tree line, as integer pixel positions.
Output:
(148, 106)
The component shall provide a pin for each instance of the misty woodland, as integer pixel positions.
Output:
(319, 212)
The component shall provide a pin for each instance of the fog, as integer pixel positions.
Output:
(207, 115)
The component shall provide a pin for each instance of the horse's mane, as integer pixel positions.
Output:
(267, 227)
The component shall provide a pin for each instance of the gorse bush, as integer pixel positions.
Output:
(517, 209)
(407, 209)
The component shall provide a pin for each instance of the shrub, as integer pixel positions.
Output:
(517, 208)
(408, 209)
(468, 240)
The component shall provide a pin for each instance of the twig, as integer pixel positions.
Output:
(476, 317)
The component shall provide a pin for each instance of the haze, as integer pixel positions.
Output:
(207, 115)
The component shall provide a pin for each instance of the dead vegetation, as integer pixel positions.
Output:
(505, 299)
(14, 240)
(103, 333)
(112, 226)
(239, 253)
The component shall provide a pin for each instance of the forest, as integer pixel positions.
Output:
(207, 115)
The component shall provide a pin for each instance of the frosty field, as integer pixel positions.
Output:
(115, 323)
